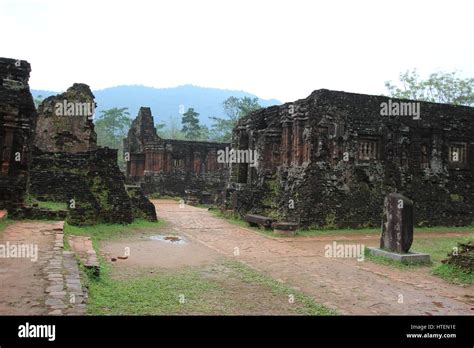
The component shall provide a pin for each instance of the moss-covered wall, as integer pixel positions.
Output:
(89, 182)
(311, 170)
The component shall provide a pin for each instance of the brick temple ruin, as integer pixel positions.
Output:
(329, 160)
(173, 167)
(17, 122)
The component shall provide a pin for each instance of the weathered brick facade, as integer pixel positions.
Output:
(17, 121)
(329, 160)
(171, 167)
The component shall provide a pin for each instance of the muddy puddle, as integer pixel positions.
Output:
(172, 239)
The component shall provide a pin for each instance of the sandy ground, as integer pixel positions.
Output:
(350, 286)
(22, 283)
(148, 253)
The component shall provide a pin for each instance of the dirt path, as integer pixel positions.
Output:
(22, 290)
(350, 286)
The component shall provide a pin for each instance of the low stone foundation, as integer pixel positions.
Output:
(35, 213)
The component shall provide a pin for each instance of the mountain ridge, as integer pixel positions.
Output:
(166, 102)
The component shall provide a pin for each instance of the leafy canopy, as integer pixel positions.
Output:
(439, 87)
(234, 109)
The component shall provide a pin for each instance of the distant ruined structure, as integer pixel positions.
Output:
(172, 167)
(17, 122)
(329, 160)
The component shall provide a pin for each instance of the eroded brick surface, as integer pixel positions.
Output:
(330, 159)
(17, 122)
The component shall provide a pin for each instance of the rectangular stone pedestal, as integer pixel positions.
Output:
(409, 258)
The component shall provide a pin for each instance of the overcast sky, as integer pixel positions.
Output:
(274, 49)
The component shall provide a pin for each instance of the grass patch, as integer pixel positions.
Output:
(454, 274)
(110, 231)
(376, 231)
(307, 305)
(48, 204)
(4, 223)
(328, 232)
(159, 196)
(438, 248)
(157, 294)
(232, 218)
(162, 293)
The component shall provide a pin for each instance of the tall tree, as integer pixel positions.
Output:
(440, 87)
(111, 127)
(234, 109)
(204, 133)
(190, 122)
(171, 129)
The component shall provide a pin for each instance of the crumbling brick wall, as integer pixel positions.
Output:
(142, 208)
(69, 167)
(65, 121)
(329, 159)
(17, 121)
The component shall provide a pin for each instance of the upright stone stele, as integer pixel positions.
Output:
(397, 225)
(397, 231)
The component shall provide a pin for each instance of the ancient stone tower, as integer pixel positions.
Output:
(17, 121)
